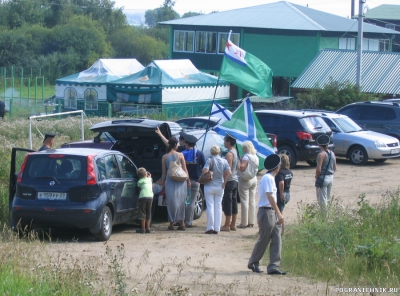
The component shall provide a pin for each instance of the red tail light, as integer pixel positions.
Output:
(304, 136)
(21, 172)
(91, 174)
(274, 141)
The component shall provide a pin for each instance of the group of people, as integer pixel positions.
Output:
(231, 175)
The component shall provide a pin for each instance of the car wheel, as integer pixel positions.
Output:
(199, 205)
(358, 155)
(312, 163)
(381, 160)
(290, 153)
(106, 225)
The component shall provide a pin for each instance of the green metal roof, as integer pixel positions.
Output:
(380, 71)
(384, 12)
(281, 15)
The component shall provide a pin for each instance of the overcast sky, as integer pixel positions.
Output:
(338, 7)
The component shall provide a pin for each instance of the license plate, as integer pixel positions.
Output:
(52, 195)
(395, 151)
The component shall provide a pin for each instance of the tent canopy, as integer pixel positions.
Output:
(167, 81)
(170, 73)
(103, 71)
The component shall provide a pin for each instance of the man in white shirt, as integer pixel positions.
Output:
(270, 220)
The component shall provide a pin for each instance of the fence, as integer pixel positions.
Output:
(24, 108)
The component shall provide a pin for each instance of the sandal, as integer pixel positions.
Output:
(209, 231)
(241, 226)
(140, 230)
(181, 228)
(250, 225)
(171, 227)
(223, 228)
(233, 228)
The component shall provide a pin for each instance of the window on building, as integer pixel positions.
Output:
(390, 26)
(91, 97)
(223, 37)
(347, 43)
(70, 98)
(183, 40)
(384, 45)
(206, 42)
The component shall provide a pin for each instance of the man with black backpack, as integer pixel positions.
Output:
(195, 161)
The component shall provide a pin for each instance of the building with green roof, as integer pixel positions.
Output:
(386, 16)
(286, 36)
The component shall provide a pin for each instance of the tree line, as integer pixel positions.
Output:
(67, 36)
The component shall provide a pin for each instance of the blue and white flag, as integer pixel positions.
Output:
(244, 126)
(221, 112)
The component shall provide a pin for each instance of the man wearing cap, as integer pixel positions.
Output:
(48, 141)
(229, 200)
(326, 166)
(270, 220)
(194, 163)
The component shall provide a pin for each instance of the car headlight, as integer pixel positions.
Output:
(379, 144)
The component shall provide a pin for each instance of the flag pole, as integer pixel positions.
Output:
(209, 116)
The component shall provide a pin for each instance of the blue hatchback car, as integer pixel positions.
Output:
(71, 187)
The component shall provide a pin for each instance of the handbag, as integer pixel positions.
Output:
(207, 177)
(319, 182)
(251, 169)
(176, 172)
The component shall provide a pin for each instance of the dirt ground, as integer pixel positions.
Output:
(217, 264)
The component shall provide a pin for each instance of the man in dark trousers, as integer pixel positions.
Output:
(270, 220)
(48, 141)
(195, 161)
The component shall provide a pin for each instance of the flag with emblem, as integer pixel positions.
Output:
(246, 71)
(244, 126)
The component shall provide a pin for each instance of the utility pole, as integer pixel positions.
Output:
(360, 42)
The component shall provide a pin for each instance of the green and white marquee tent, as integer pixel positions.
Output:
(169, 83)
(85, 89)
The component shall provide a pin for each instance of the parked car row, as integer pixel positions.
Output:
(96, 188)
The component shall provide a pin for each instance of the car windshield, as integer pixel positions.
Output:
(314, 123)
(347, 125)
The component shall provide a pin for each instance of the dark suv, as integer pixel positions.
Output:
(378, 116)
(70, 187)
(296, 133)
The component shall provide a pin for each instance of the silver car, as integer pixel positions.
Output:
(352, 142)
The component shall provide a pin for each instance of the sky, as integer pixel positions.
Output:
(338, 7)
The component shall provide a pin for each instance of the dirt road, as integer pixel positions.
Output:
(217, 264)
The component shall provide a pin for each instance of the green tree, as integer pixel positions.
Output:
(133, 43)
(190, 14)
(20, 12)
(159, 33)
(163, 13)
(333, 96)
(14, 48)
(85, 37)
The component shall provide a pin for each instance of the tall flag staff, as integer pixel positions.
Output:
(248, 72)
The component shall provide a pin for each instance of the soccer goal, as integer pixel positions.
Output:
(53, 115)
